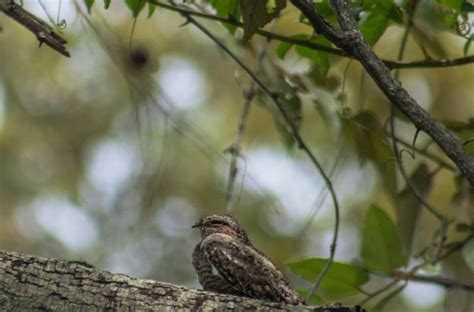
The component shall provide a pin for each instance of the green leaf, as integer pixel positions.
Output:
(373, 27)
(225, 7)
(329, 109)
(107, 4)
(294, 109)
(408, 207)
(320, 58)
(381, 304)
(468, 253)
(89, 4)
(316, 300)
(230, 9)
(323, 8)
(453, 4)
(367, 136)
(151, 9)
(257, 14)
(467, 7)
(341, 280)
(283, 49)
(135, 6)
(382, 249)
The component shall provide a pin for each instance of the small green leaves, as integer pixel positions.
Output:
(408, 205)
(257, 14)
(151, 9)
(229, 9)
(89, 4)
(367, 136)
(340, 281)
(377, 17)
(468, 253)
(319, 58)
(373, 27)
(107, 4)
(382, 248)
(135, 6)
(225, 7)
(453, 4)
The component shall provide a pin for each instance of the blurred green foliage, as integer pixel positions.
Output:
(112, 155)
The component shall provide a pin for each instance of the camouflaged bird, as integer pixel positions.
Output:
(226, 262)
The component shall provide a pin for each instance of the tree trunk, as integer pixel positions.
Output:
(29, 283)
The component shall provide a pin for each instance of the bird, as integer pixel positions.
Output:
(227, 262)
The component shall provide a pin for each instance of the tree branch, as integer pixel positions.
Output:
(43, 32)
(439, 280)
(350, 39)
(29, 283)
(275, 97)
(422, 64)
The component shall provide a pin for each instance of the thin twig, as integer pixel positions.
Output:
(164, 104)
(379, 291)
(43, 32)
(235, 147)
(350, 39)
(444, 281)
(442, 219)
(426, 154)
(422, 64)
(299, 140)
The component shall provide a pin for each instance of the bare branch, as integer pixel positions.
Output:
(350, 39)
(299, 141)
(43, 32)
(29, 283)
(422, 64)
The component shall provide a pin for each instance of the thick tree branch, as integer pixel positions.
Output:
(423, 64)
(43, 32)
(29, 283)
(350, 39)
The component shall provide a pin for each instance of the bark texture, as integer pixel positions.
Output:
(43, 32)
(29, 283)
(349, 38)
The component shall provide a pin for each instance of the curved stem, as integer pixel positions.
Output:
(299, 140)
(422, 64)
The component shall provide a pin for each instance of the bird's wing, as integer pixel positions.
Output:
(247, 270)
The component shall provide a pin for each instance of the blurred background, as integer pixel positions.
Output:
(111, 155)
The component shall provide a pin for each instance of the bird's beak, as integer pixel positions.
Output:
(196, 225)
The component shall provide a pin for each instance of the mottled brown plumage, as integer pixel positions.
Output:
(226, 262)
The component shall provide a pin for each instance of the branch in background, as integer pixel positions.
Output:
(29, 283)
(274, 96)
(430, 63)
(444, 281)
(426, 154)
(234, 149)
(43, 32)
(350, 39)
(426, 64)
(441, 218)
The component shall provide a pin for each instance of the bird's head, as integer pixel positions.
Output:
(223, 224)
